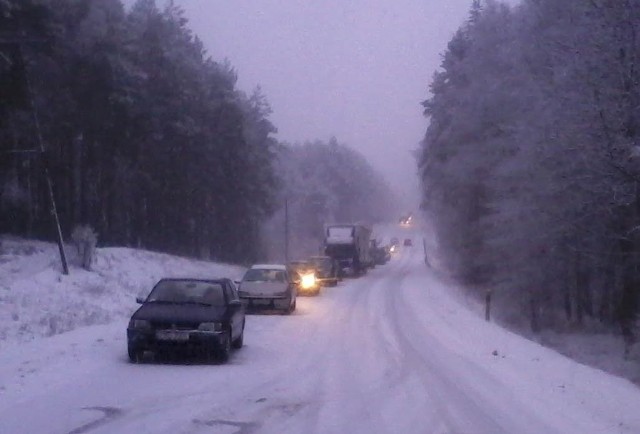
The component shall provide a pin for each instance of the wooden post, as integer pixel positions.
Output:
(286, 231)
(424, 248)
(487, 309)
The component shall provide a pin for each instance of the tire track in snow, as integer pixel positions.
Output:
(109, 414)
(462, 408)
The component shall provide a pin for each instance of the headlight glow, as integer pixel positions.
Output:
(210, 327)
(308, 280)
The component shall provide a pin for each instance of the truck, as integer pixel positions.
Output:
(349, 245)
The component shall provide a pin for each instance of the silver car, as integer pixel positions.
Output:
(268, 286)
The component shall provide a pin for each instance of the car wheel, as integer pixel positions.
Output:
(240, 340)
(135, 354)
(292, 307)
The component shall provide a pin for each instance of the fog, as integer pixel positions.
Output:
(357, 70)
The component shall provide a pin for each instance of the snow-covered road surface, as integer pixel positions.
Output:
(391, 352)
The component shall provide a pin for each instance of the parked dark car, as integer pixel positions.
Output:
(326, 269)
(194, 316)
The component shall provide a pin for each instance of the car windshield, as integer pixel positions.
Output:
(264, 275)
(187, 291)
(301, 267)
(320, 261)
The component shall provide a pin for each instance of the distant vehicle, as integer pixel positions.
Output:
(406, 220)
(379, 253)
(269, 286)
(394, 245)
(194, 316)
(326, 270)
(408, 242)
(387, 253)
(348, 244)
(306, 277)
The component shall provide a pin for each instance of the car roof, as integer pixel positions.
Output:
(197, 279)
(269, 267)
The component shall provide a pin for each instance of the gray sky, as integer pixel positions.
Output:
(354, 69)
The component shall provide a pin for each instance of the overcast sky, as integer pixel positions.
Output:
(354, 69)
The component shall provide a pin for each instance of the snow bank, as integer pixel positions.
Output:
(37, 300)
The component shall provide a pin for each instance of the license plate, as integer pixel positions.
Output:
(172, 335)
(261, 302)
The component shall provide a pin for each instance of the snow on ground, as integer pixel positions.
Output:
(36, 300)
(393, 351)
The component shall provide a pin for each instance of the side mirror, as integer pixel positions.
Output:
(139, 300)
(237, 282)
(235, 303)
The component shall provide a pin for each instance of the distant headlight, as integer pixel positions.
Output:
(139, 324)
(308, 280)
(210, 327)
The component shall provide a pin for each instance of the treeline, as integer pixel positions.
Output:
(531, 161)
(324, 182)
(147, 138)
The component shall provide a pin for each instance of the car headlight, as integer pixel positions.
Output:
(139, 324)
(308, 280)
(210, 327)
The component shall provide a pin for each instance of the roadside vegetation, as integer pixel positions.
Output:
(531, 162)
(148, 140)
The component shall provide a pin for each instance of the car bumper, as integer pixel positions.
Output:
(276, 302)
(190, 341)
(313, 290)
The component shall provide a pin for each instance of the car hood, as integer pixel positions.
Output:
(263, 288)
(179, 313)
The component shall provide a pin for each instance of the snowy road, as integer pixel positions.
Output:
(391, 352)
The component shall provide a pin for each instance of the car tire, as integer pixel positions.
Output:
(135, 354)
(225, 351)
(291, 308)
(239, 342)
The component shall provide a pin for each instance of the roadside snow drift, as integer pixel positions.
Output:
(37, 300)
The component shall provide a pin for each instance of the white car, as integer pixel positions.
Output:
(268, 286)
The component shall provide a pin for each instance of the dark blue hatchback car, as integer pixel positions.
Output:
(198, 317)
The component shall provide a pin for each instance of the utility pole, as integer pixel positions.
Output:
(36, 121)
(286, 231)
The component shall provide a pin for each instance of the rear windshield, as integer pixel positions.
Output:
(320, 261)
(188, 291)
(264, 275)
(340, 232)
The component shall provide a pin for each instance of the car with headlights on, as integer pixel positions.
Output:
(199, 317)
(326, 269)
(269, 286)
(306, 276)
